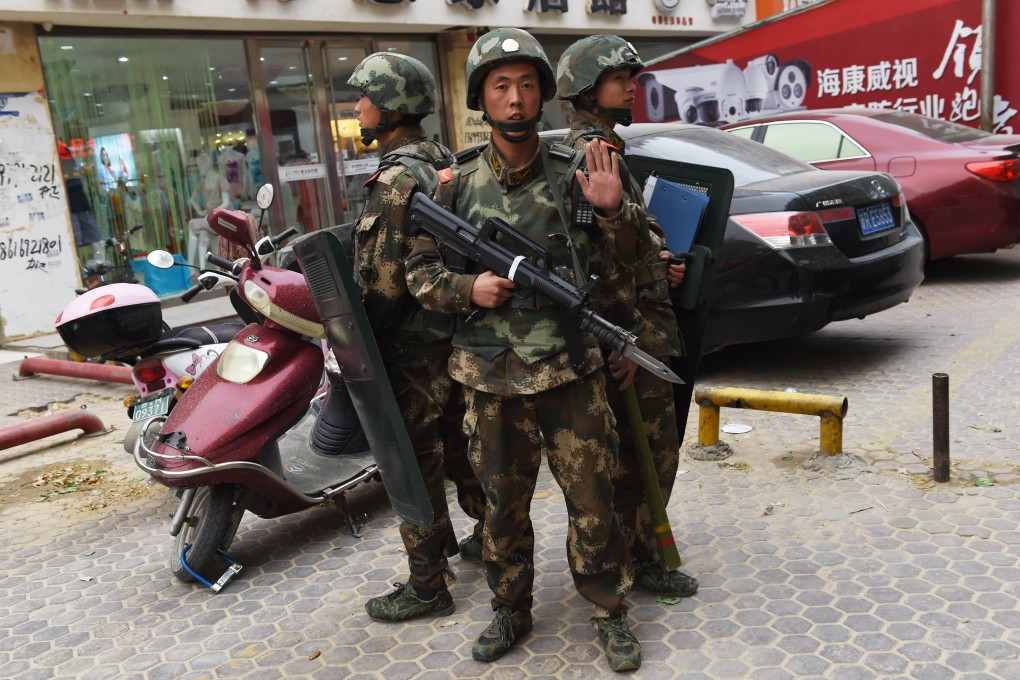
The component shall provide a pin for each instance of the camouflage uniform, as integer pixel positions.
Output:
(415, 344)
(635, 297)
(514, 365)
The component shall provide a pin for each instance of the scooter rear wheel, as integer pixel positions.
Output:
(209, 526)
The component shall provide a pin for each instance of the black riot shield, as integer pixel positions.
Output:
(692, 299)
(338, 301)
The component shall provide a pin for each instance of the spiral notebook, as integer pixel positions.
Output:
(678, 211)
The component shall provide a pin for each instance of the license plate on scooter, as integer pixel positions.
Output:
(156, 405)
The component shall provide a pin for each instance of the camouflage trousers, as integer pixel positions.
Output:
(470, 495)
(658, 411)
(505, 450)
(423, 392)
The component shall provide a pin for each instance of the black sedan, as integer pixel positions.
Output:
(802, 247)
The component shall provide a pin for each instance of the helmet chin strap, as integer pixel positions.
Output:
(369, 135)
(622, 117)
(511, 131)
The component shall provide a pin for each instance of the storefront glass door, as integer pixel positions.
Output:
(289, 137)
(308, 130)
(355, 161)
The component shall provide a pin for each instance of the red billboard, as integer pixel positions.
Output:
(922, 56)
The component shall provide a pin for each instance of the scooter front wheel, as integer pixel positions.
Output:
(209, 526)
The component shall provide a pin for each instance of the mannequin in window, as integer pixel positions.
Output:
(211, 192)
(234, 166)
(87, 237)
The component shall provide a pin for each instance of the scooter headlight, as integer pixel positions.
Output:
(240, 363)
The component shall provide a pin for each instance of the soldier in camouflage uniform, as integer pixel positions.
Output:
(595, 74)
(396, 93)
(514, 356)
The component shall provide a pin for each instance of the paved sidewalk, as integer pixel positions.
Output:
(853, 567)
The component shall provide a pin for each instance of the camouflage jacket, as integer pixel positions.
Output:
(636, 297)
(518, 348)
(381, 248)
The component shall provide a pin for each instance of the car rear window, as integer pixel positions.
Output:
(748, 161)
(932, 127)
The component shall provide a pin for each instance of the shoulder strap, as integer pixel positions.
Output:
(566, 161)
(554, 187)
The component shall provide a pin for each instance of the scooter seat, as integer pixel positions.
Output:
(205, 335)
(98, 267)
(193, 337)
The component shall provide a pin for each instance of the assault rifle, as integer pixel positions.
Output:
(500, 248)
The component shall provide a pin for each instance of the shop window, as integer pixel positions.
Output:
(154, 131)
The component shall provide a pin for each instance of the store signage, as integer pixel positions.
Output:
(610, 7)
(541, 6)
(358, 166)
(472, 4)
(672, 20)
(923, 57)
(295, 173)
(724, 9)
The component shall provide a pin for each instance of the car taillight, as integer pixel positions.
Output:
(150, 373)
(786, 229)
(997, 171)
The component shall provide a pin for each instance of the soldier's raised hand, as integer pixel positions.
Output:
(602, 187)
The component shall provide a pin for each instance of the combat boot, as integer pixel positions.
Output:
(623, 651)
(506, 628)
(652, 577)
(471, 549)
(404, 604)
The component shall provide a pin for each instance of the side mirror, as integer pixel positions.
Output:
(160, 259)
(264, 197)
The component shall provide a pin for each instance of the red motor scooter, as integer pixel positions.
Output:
(260, 430)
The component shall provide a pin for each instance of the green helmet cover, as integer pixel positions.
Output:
(588, 59)
(395, 83)
(501, 46)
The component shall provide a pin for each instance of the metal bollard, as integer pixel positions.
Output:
(831, 411)
(75, 369)
(22, 433)
(940, 426)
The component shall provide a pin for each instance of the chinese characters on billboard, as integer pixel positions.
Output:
(923, 57)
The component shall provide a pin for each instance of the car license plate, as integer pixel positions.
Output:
(875, 218)
(157, 405)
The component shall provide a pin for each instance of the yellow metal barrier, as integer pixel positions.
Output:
(831, 410)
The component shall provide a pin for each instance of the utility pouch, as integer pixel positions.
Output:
(652, 281)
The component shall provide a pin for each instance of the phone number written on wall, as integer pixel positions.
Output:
(42, 186)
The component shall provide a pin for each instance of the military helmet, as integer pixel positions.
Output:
(395, 83)
(500, 46)
(588, 59)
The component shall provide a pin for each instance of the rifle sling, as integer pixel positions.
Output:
(571, 328)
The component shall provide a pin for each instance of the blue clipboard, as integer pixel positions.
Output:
(677, 210)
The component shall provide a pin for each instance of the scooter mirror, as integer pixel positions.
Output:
(264, 197)
(160, 259)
